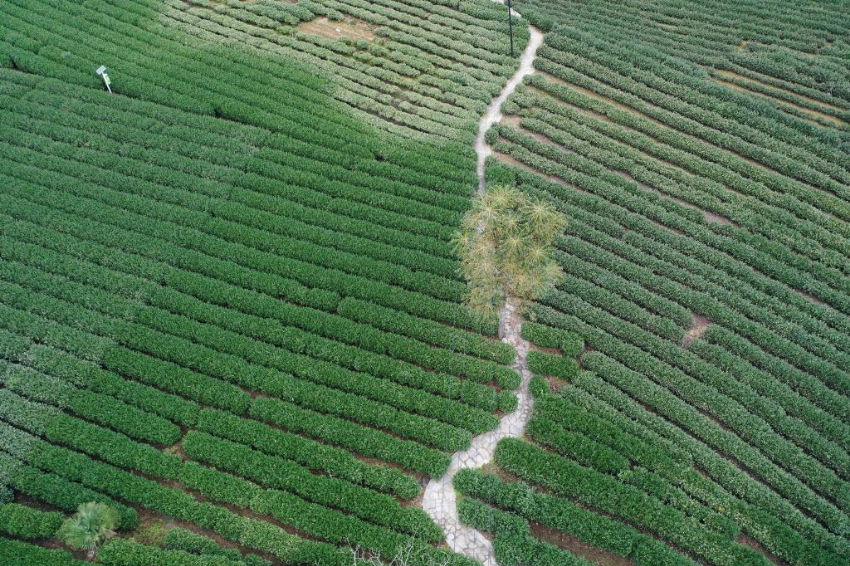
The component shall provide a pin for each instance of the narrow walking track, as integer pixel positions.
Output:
(440, 500)
(494, 111)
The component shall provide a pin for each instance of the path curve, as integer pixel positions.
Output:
(494, 111)
(440, 500)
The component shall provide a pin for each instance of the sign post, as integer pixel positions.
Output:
(102, 72)
(511, 26)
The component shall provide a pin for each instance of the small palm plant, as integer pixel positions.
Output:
(505, 245)
(90, 526)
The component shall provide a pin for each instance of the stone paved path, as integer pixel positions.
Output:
(494, 111)
(440, 500)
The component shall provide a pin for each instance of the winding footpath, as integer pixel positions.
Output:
(440, 500)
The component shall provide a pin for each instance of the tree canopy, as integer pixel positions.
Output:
(505, 246)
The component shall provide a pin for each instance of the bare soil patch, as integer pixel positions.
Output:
(555, 383)
(699, 324)
(512, 121)
(351, 28)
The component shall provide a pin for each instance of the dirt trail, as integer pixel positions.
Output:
(440, 500)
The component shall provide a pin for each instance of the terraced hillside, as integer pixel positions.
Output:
(425, 70)
(227, 302)
(707, 271)
(230, 307)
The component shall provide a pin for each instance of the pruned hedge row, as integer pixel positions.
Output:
(110, 448)
(363, 440)
(58, 427)
(91, 406)
(178, 538)
(333, 327)
(24, 554)
(575, 445)
(80, 373)
(256, 327)
(590, 177)
(156, 372)
(395, 268)
(768, 148)
(337, 431)
(317, 456)
(512, 543)
(367, 72)
(24, 522)
(206, 363)
(51, 488)
(760, 512)
(327, 524)
(125, 552)
(609, 495)
(549, 511)
(631, 347)
(425, 330)
(544, 363)
(649, 162)
(571, 345)
(138, 490)
(658, 235)
(285, 475)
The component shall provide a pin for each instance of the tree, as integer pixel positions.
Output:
(505, 246)
(91, 525)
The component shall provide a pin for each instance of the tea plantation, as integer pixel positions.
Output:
(231, 308)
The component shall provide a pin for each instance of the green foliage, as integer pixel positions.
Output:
(25, 522)
(222, 234)
(89, 527)
(505, 246)
(21, 553)
(281, 474)
(549, 364)
(570, 344)
(183, 539)
(513, 549)
(123, 552)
